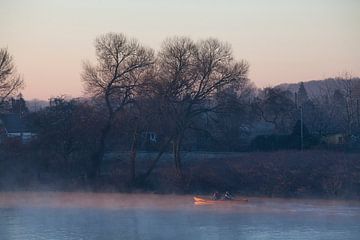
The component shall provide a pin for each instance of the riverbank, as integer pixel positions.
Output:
(290, 174)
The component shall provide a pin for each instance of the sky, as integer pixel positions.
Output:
(283, 40)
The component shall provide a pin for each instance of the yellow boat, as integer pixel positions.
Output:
(206, 201)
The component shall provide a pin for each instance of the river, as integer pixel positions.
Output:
(95, 216)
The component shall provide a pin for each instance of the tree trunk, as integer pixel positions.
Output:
(98, 155)
(153, 164)
(348, 118)
(177, 156)
(133, 156)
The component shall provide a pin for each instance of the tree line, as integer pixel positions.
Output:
(193, 95)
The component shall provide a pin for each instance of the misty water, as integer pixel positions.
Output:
(145, 216)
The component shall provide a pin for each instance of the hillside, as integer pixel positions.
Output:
(319, 87)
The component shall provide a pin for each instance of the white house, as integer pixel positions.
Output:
(13, 127)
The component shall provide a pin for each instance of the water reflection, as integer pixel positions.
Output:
(172, 217)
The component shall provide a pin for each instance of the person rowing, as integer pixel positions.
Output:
(228, 196)
(216, 196)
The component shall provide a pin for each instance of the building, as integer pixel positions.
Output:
(334, 139)
(13, 127)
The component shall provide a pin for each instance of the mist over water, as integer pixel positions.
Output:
(146, 216)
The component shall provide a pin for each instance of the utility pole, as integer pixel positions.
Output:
(357, 113)
(300, 107)
(301, 128)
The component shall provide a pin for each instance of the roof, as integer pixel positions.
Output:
(13, 123)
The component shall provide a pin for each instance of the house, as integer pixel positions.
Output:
(149, 137)
(148, 140)
(334, 139)
(13, 127)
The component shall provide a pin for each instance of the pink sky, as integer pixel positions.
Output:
(284, 41)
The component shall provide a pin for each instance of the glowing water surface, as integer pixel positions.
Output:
(36, 216)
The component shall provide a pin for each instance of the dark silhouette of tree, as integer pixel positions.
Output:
(189, 76)
(68, 129)
(302, 96)
(347, 86)
(309, 140)
(121, 66)
(10, 80)
(18, 105)
(277, 107)
(297, 130)
(230, 124)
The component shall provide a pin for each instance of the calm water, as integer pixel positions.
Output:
(118, 216)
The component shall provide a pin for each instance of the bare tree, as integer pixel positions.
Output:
(121, 65)
(330, 104)
(232, 121)
(10, 80)
(346, 84)
(189, 76)
(276, 106)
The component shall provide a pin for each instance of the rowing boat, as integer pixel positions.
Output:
(206, 201)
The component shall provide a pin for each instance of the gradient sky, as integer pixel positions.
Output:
(283, 40)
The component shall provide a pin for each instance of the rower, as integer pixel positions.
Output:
(228, 196)
(216, 196)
